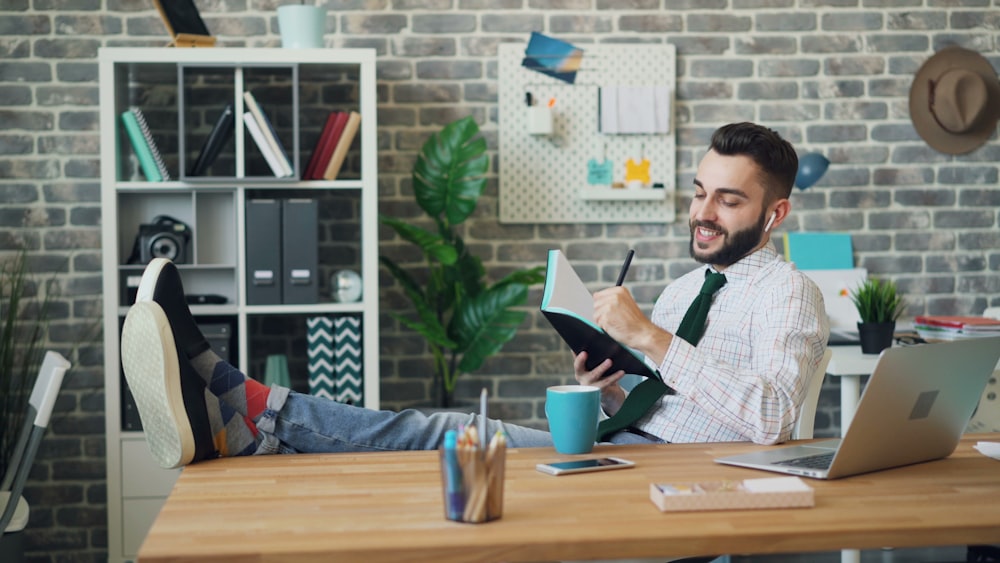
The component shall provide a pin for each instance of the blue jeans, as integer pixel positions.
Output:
(298, 423)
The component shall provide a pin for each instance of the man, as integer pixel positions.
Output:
(764, 336)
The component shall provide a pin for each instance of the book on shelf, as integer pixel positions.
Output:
(952, 327)
(265, 148)
(343, 145)
(959, 321)
(819, 251)
(144, 146)
(270, 135)
(219, 136)
(569, 308)
(327, 141)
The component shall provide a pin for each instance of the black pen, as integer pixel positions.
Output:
(628, 260)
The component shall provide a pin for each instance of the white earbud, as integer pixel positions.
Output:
(767, 227)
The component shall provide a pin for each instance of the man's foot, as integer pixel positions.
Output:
(170, 400)
(161, 282)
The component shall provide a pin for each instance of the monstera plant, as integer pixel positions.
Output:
(463, 317)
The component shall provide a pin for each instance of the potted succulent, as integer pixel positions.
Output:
(24, 312)
(879, 305)
(463, 317)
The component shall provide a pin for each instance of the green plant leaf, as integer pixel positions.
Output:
(877, 301)
(448, 174)
(432, 244)
(429, 324)
(485, 323)
(529, 276)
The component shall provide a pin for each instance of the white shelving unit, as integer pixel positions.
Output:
(181, 91)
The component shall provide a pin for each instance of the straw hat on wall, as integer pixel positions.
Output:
(955, 100)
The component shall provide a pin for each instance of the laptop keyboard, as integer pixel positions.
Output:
(819, 461)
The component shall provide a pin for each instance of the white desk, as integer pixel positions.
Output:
(850, 365)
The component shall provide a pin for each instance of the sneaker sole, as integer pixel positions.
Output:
(149, 278)
(149, 359)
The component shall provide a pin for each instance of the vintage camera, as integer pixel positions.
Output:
(165, 237)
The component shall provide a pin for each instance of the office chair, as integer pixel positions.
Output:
(43, 397)
(807, 413)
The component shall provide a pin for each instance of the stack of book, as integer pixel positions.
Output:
(331, 149)
(955, 327)
(139, 135)
(266, 138)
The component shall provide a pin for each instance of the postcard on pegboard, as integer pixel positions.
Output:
(553, 57)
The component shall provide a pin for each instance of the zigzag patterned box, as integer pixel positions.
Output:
(347, 358)
(334, 352)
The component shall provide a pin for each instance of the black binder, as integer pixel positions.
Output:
(263, 251)
(221, 133)
(300, 256)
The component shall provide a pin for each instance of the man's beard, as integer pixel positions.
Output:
(734, 245)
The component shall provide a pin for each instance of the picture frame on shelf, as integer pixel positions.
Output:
(184, 24)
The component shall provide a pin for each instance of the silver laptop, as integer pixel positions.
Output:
(915, 407)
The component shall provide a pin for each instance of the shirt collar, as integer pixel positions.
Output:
(746, 267)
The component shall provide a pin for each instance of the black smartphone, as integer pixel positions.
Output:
(584, 465)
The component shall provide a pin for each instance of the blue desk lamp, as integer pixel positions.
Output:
(812, 166)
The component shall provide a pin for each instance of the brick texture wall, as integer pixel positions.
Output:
(830, 75)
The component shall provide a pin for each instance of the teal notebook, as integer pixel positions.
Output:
(569, 308)
(819, 251)
(145, 149)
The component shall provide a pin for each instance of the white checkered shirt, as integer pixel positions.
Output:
(765, 336)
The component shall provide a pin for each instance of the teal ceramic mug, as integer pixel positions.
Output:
(573, 412)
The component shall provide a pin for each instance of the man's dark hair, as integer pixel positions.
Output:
(774, 156)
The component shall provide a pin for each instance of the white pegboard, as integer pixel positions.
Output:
(544, 179)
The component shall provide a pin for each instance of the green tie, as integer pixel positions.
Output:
(650, 390)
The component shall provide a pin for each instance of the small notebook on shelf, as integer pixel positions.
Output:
(144, 146)
(221, 133)
(269, 134)
(569, 308)
(343, 145)
(265, 148)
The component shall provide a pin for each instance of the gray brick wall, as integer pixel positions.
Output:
(831, 75)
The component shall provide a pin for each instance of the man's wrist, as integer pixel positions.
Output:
(612, 400)
(655, 344)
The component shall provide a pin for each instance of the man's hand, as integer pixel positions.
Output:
(612, 394)
(618, 314)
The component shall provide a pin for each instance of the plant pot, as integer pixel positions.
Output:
(876, 337)
(301, 27)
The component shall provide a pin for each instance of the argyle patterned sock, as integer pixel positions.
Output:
(245, 394)
(231, 434)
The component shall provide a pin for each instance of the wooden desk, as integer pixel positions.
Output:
(387, 507)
